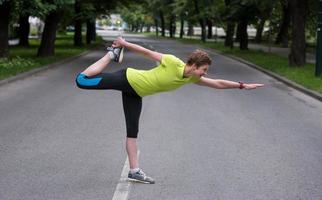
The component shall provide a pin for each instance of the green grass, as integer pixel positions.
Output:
(304, 76)
(23, 59)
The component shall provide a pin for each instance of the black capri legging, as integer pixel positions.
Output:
(132, 102)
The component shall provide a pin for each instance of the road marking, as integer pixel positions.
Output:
(123, 187)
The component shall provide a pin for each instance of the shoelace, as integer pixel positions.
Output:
(142, 173)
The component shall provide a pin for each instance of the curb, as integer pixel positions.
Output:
(287, 82)
(40, 69)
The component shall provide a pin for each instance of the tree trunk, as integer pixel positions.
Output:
(283, 36)
(259, 31)
(203, 30)
(190, 29)
(174, 26)
(24, 29)
(298, 12)
(209, 24)
(229, 40)
(201, 22)
(181, 27)
(90, 31)
(156, 26)
(171, 26)
(47, 45)
(238, 32)
(4, 28)
(78, 24)
(78, 33)
(243, 40)
(162, 24)
(137, 26)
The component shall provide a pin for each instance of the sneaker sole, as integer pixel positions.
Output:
(121, 56)
(139, 181)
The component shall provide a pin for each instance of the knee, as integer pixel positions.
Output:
(82, 81)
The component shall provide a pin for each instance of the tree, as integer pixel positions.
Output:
(283, 35)
(52, 18)
(230, 27)
(201, 20)
(243, 12)
(25, 9)
(186, 12)
(5, 7)
(78, 23)
(298, 47)
(134, 15)
(265, 8)
(152, 8)
(162, 23)
(95, 8)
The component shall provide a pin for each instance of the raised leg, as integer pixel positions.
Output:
(98, 66)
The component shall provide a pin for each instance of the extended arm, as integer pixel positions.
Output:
(225, 84)
(138, 49)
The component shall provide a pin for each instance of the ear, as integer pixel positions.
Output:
(193, 66)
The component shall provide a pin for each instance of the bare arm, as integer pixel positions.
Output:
(138, 49)
(225, 84)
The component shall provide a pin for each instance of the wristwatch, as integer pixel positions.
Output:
(241, 85)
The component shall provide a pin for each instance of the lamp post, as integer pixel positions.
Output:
(318, 63)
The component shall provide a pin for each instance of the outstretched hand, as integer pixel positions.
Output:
(119, 42)
(250, 86)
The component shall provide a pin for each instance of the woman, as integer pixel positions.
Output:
(170, 74)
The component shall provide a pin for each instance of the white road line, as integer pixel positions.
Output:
(123, 187)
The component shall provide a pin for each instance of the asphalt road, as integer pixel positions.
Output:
(61, 142)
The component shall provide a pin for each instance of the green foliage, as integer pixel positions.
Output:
(52, 5)
(24, 59)
(311, 18)
(6, 63)
(244, 10)
(29, 7)
(136, 14)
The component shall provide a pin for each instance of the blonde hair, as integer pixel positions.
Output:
(199, 58)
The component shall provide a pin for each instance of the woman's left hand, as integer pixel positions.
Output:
(119, 42)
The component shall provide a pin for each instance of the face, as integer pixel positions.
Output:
(200, 71)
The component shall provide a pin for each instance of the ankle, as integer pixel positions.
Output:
(134, 170)
(111, 55)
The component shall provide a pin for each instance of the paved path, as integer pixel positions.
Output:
(60, 142)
